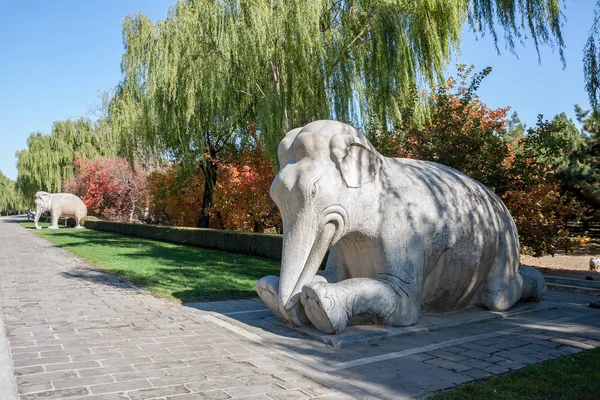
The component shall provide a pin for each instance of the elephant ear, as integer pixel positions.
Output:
(42, 195)
(284, 149)
(356, 159)
(45, 198)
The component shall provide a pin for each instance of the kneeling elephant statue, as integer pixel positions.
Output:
(59, 204)
(403, 236)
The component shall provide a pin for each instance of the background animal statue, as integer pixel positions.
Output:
(59, 204)
(594, 263)
(403, 236)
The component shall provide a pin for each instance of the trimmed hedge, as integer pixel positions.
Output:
(253, 244)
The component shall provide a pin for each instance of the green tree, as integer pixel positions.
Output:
(582, 175)
(554, 142)
(515, 129)
(591, 61)
(48, 159)
(193, 83)
(11, 199)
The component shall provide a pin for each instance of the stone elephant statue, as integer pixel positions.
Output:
(403, 236)
(59, 204)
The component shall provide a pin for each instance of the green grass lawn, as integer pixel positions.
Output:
(170, 271)
(573, 377)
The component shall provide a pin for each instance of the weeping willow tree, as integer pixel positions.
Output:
(195, 81)
(591, 61)
(48, 159)
(11, 200)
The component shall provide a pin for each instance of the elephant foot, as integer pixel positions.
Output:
(267, 289)
(534, 285)
(324, 308)
(53, 227)
(38, 227)
(80, 227)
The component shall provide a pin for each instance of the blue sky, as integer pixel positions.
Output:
(56, 57)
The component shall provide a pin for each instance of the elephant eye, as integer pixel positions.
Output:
(314, 190)
(313, 187)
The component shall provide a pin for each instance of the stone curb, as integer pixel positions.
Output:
(8, 384)
(572, 282)
(575, 289)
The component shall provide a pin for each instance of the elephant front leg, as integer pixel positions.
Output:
(55, 217)
(267, 289)
(390, 299)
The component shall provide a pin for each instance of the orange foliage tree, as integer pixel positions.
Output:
(241, 198)
(175, 197)
(110, 188)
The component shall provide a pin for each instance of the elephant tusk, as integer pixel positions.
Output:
(337, 216)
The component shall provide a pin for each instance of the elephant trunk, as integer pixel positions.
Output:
(304, 247)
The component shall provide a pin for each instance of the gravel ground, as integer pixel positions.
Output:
(566, 265)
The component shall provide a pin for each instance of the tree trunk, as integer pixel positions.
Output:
(209, 169)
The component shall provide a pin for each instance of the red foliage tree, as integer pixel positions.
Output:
(109, 188)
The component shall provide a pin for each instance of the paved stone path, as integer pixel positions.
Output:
(74, 332)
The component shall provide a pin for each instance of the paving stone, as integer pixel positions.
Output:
(131, 376)
(158, 392)
(220, 359)
(160, 365)
(71, 366)
(25, 356)
(77, 382)
(212, 395)
(296, 383)
(475, 354)
(40, 361)
(449, 365)
(420, 357)
(179, 380)
(448, 355)
(477, 373)
(99, 357)
(336, 396)
(510, 364)
(105, 396)
(481, 348)
(568, 349)
(318, 390)
(45, 377)
(289, 395)
(495, 369)
(56, 394)
(126, 361)
(475, 363)
(518, 357)
(105, 370)
(35, 349)
(121, 386)
(71, 352)
(34, 387)
(214, 384)
(247, 391)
